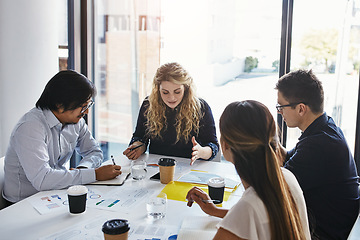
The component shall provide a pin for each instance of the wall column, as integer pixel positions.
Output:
(28, 58)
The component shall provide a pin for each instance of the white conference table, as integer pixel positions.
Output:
(23, 221)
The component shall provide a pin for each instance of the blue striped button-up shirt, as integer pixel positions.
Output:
(38, 149)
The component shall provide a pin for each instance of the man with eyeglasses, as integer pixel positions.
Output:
(321, 161)
(45, 138)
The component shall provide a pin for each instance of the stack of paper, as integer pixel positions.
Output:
(198, 228)
(203, 178)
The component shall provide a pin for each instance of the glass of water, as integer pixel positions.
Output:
(138, 169)
(156, 206)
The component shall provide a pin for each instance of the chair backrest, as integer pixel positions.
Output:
(2, 201)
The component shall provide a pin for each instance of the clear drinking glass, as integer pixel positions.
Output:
(156, 206)
(138, 169)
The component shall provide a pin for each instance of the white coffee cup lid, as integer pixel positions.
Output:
(216, 182)
(77, 190)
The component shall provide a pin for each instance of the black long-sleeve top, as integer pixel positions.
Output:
(326, 171)
(166, 145)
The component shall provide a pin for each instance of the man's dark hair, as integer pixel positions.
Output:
(67, 89)
(302, 86)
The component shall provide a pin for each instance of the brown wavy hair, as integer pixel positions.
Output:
(250, 131)
(188, 111)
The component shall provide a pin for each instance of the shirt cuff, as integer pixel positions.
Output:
(215, 150)
(88, 175)
(135, 139)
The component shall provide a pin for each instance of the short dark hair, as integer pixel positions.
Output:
(68, 89)
(302, 86)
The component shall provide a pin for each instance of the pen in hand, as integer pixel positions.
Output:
(113, 160)
(203, 200)
(208, 201)
(131, 149)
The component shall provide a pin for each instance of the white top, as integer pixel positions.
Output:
(38, 149)
(248, 218)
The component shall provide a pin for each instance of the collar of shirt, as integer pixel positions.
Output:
(316, 125)
(51, 119)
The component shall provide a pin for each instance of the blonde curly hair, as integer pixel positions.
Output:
(188, 111)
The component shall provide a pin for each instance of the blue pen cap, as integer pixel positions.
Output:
(116, 226)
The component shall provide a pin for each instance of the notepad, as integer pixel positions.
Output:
(118, 181)
(198, 228)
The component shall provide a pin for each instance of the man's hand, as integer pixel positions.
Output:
(107, 172)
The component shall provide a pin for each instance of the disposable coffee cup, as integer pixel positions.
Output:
(167, 169)
(116, 229)
(216, 187)
(77, 198)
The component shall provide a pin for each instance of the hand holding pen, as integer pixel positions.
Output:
(107, 172)
(135, 150)
(203, 200)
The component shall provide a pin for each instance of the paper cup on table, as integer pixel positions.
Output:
(77, 198)
(167, 169)
(116, 229)
(216, 187)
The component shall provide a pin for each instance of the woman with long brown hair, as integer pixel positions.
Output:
(174, 120)
(272, 206)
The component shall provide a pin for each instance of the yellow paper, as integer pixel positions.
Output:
(178, 190)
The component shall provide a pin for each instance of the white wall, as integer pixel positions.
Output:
(28, 58)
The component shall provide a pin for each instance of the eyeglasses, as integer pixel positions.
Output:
(87, 106)
(279, 108)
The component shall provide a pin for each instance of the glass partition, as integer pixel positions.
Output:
(231, 48)
(326, 39)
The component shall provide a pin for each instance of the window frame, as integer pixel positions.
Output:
(82, 56)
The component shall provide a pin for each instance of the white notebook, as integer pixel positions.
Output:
(198, 228)
(118, 181)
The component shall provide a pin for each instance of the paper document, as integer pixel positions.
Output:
(203, 178)
(53, 201)
(122, 199)
(198, 228)
(91, 229)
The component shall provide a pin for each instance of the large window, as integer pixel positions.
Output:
(326, 39)
(63, 34)
(230, 47)
(127, 54)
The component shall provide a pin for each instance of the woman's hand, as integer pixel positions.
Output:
(199, 151)
(132, 153)
(202, 199)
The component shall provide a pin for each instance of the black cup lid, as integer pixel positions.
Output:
(166, 162)
(116, 226)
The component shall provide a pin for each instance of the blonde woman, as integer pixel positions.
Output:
(272, 206)
(173, 121)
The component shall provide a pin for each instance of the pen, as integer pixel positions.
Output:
(113, 160)
(137, 147)
(203, 200)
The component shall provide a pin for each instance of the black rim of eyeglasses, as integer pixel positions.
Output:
(280, 107)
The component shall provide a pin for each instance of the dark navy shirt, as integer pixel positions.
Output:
(326, 171)
(166, 145)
